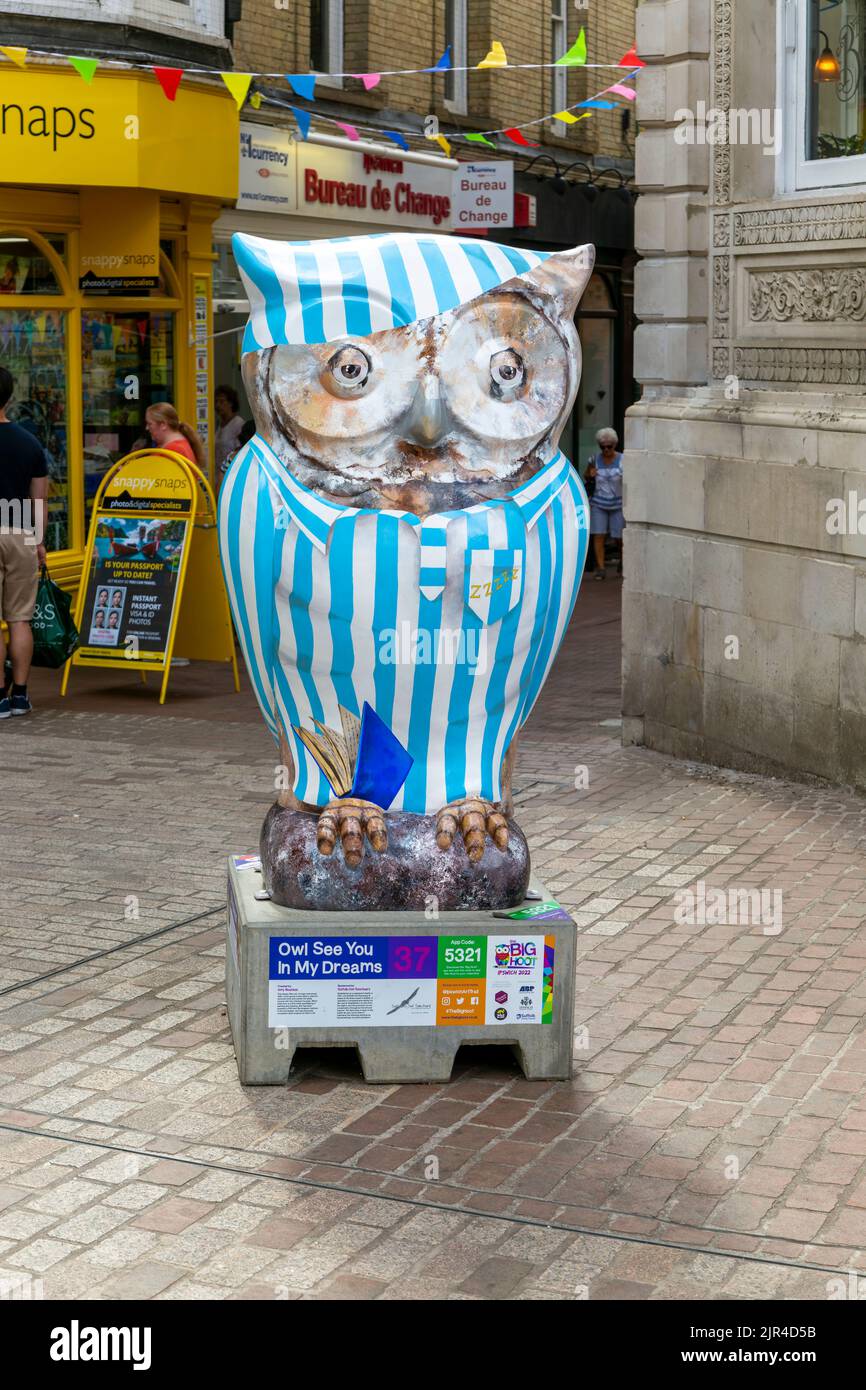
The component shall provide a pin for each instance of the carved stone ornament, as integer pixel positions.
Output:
(722, 78)
(798, 225)
(808, 296)
(815, 366)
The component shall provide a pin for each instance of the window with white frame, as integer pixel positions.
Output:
(326, 39)
(455, 39)
(824, 93)
(558, 46)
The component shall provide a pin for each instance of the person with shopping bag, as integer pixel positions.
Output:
(23, 487)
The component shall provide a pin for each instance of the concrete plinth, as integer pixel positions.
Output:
(296, 978)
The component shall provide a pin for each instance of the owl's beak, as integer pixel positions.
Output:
(427, 422)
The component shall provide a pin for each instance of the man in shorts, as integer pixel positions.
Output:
(23, 487)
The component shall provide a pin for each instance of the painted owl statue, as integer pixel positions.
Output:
(402, 543)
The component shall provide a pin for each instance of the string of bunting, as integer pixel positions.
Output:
(569, 116)
(303, 85)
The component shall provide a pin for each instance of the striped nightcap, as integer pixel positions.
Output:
(319, 291)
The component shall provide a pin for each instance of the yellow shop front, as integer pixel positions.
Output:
(108, 195)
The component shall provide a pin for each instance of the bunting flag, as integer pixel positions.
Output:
(631, 60)
(348, 129)
(18, 56)
(442, 64)
(303, 119)
(519, 138)
(622, 91)
(369, 79)
(169, 80)
(443, 144)
(576, 55)
(597, 105)
(568, 117)
(302, 84)
(85, 67)
(479, 139)
(496, 58)
(238, 84)
(397, 138)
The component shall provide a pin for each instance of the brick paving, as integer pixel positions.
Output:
(712, 1143)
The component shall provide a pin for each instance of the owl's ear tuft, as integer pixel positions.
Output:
(564, 277)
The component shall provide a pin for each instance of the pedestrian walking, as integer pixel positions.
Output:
(23, 488)
(605, 508)
(168, 431)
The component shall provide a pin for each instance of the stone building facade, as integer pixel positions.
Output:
(745, 591)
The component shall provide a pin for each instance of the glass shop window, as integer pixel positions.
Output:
(127, 365)
(33, 349)
(24, 268)
(836, 101)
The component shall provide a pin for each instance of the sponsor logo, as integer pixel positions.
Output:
(514, 955)
(501, 996)
(500, 1013)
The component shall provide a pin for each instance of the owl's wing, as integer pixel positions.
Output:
(246, 540)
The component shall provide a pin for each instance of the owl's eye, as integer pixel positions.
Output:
(506, 372)
(348, 371)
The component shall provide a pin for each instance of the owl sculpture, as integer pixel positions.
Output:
(402, 539)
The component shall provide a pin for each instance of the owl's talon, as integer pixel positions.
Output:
(475, 819)
(350, 819)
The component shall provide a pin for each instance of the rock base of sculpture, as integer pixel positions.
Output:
(410, 873)
(379, 982)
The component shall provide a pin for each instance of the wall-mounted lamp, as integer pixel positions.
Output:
(827, 67)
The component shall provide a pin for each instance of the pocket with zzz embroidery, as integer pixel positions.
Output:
(493, 582)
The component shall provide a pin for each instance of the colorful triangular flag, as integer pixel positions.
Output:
(479, 139)
(303, 119)
(568, 117)
(631, 60)
(442, 64)
(397, 138)
(85, 67)
(597, 105)
(169, 80)
(496, 58)
(442, 143)
(18, 56)
(350, 130)
(621, 91)
(302, 84)
(519, 138)
(238, 84)
(576, 55)
(369, 79)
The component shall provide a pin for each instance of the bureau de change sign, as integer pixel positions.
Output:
(484, 195)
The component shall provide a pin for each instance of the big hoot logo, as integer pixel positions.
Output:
(408, 393)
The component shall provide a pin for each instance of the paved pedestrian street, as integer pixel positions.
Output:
(712, 1143)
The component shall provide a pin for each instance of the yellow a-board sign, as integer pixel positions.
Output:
(152, 578)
